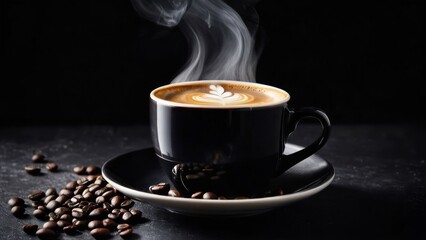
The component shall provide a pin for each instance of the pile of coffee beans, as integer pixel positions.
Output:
(39, 158)
(88, 203)
(164, 189)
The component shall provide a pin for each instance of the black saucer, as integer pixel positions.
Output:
(132, 173)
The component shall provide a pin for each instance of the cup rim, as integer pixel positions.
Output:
(189, 105)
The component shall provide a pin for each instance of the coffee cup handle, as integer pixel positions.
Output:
(288, 161)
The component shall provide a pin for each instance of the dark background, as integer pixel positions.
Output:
(95, 62)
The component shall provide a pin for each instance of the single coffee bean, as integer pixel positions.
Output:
(123, 226)
(113, 216)
(30, 229)
(18, 211)
(51, 192)
(100, 200)
(93, 170)
(78, 213)
(71, 185)
(37, 157)
(136, 213)
(16, 201)
(127, 203)
(36, 204)
(53, 167)
(66, 192)
(49, 198)
(50, 224)
(52, 205)
(100, 233)
(53, 217)
(40, 214)
(107, 206)
(70, 229)
(79, 190)
(197, 195)
(81, 224)
(222, 198)
(108, 194)
(126, 232)
(94, 187)
(109, 223)
(127, 217)
(209, 195)
(62, 199)
(160, 188)
(95, 224)
(174, 193)
(46, 234)
(116, 201)
(63, 223)
(89, 196)
(62, 210)
(33, 170)
(66, 217)
(98, 213)
(80, 170)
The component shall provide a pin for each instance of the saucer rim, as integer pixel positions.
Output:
(231, 204)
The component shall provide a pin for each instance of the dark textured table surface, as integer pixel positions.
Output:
(379, 191)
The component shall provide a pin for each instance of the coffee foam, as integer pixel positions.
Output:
(220, 94)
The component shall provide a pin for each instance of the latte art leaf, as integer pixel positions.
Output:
(218, 95)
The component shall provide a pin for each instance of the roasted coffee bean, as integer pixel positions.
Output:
(108, 194)
(53, 167)
(78, 213)
(127, 203)
(30, 229)
(127, 217)
(100, 200)
(18, 211)
(80, 170)
(49, 198)
(93, 170)
(50, 224)
(33, 170)
(116, 201)
(113, 216)
(100, 233)
(66, 192)
(222, 198)
(79, 190)
(40, 214)
(89, 196)
(66, 217)
(136, 213)
(46, 234)
(81, 224)
(52, 205)
(174, 193)
(51, 192)
(70, 229)
(62, 210)
(209, 195)
(63, 223)
(109, 223)
(107, 206)
(37, 157)
(126, 232)
(62, 199)
(16, 201)
(123, 226)
(98, 213)
(160, 188)
(53, 216)
(197, 195)
(95, 224)
(71, 185)
(94, 187)
(36, 204)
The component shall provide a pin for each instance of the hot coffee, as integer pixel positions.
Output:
(226, 137)
(222, 93)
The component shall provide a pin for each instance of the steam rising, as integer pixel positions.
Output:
(221, 46)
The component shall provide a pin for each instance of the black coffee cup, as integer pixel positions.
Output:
(226, 137)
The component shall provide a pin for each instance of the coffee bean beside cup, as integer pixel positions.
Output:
(226, 137)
